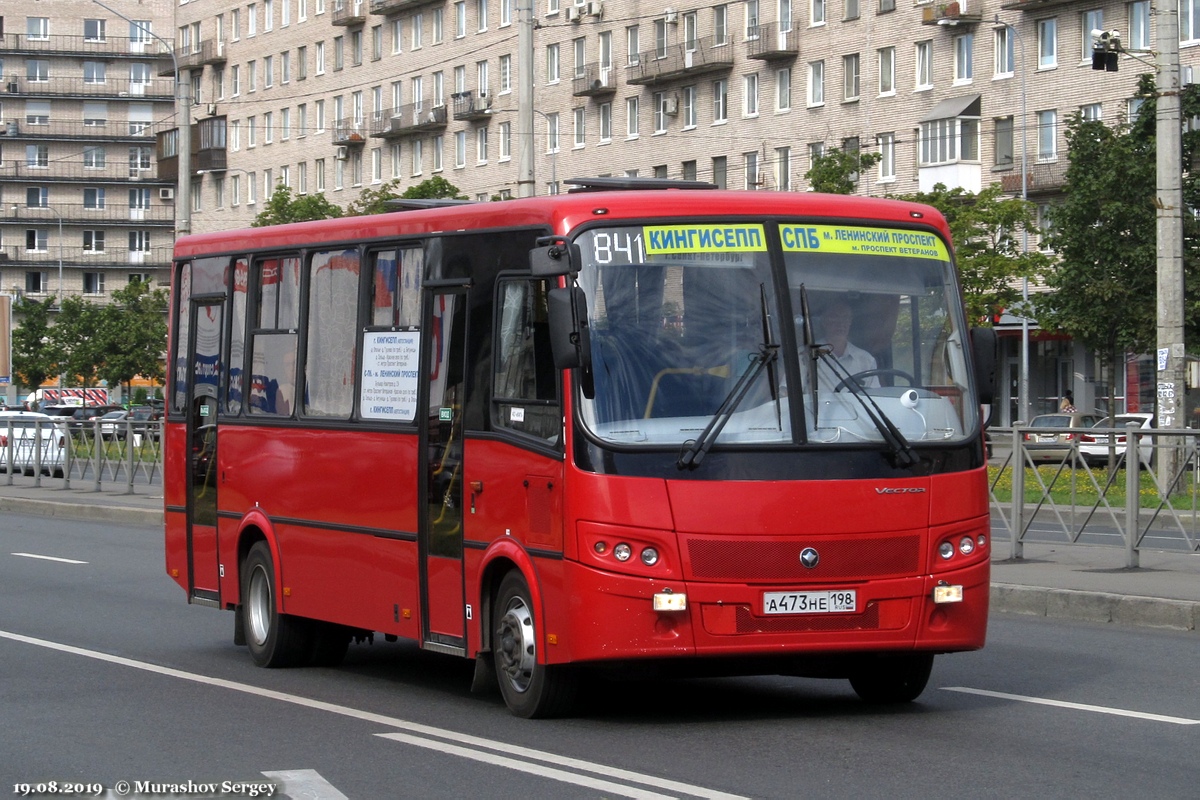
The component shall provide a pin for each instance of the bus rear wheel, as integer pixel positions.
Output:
(530, 689)
(892, 679)
(274, 639)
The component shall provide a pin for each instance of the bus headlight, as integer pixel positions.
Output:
(966, 545)
(622, 552)
(649, 556)
(946, 550)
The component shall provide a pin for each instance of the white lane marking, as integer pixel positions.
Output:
(524, 766)
(379, 719)
(305, 784)
(49, 558)
(1042, 701)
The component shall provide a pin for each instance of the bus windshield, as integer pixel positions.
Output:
(869, 335)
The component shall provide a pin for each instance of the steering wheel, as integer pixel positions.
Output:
(874, 373)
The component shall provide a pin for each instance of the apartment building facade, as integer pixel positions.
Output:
(83, 94)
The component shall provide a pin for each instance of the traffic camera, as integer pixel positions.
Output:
(1106, 47)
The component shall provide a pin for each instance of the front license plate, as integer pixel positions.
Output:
(841, 600)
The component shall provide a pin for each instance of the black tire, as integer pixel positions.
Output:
(892, 679)
(274, 639)
(530, 689)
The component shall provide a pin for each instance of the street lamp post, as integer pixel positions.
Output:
(553, 153)
(1023, 390)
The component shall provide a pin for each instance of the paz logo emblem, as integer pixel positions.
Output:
(809, 557)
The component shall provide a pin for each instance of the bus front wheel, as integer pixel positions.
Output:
(530, 689)
(892, 679)
(274, 639)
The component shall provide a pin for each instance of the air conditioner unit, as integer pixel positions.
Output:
(671, 106)
(595, 8)
(342, 153)
(166, 193)
(212, 109)
(573, 13)
(671, 16)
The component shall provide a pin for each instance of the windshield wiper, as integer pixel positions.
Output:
(806, 329)
(902, 452)
(694, 451)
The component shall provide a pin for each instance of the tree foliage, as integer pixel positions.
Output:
(836, 171)
(991, 258)
(35, 354)
(374, 201)
(134, 334)
(282, 207)
(78, 334)
(1104, 288)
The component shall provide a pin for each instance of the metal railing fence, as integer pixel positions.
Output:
(112, 455)
(1087, 491)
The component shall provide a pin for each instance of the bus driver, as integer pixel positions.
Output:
(835, 321)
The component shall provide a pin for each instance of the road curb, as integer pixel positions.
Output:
(91, 513)
(1119, 609)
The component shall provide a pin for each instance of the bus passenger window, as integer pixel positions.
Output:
(525, 385)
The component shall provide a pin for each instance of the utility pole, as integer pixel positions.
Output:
(1170, 361)
(526, 182)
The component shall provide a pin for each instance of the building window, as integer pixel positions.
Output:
(93, 283)
(1005, 60)
(887, 71)
(750, 95)
(753, 179)
(887, 152)
(659, 99)
(1139, 25)
(783, 169)
(1004, 142)
(720, 171)
(816, 83)
(783, 89)
(632, 128)
(93, 241)
(964, 58)
(1093, 20)
(1047, 35)
(945, 141)
(689, 107)
(605, 110)
(850, 80)
(1090, 112)
(580, 126)
(924, 71)
(1047, 135)
(720, 101)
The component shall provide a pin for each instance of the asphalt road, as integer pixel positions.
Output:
(109, 676)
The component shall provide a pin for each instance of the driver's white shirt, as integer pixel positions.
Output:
(853, 361)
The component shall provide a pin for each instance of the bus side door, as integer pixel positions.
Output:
(206, 363)
(440, 535)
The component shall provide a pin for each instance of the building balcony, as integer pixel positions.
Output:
(768, 43)
(1049, 177)
(468, 107)
(392, 7)
(80, 46)
(952, 14)
(109, 89)
(209, 151)
(407, 120)
(209, 51)
(348, 13)
(350, 131)
(1033, 6)
(682, 60)
(115, 256)
(596, 81)
(75, 130)
(111, 170)
(114, 213)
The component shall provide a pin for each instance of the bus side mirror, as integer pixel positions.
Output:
(983, 347)
(551, 258)
(569, 340)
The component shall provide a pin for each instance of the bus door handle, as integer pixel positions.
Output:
(476, 489)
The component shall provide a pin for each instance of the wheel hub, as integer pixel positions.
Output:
(518, 651)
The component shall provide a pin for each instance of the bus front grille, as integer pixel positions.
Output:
(842, 558)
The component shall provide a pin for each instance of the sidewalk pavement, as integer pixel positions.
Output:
(1068, 581)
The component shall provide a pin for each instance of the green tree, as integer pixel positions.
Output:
(375, 201)
(990, 257)
(836, 171)
(134, 334)
(284, 207)
(1103, 289)
(77, 333)
(35, 354)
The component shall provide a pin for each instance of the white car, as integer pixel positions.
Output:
(1093, 447)
(19, 434)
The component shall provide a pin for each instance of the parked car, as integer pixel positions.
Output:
(1055, 445)
(113, 426)
(20, 431)
(146, 420)
(1093, 447)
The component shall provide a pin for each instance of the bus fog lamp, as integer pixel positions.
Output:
(966, 546)
(600, 547)
(946, 550)
(622, 552)
(670, 601)
(982, 540)
(945, 593)
(649, 556)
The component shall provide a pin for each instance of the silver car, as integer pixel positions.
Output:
(20, 432)
(1054, 434)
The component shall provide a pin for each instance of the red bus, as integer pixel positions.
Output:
(677, 428)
